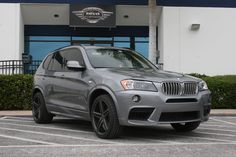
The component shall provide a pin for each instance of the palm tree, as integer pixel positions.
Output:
(152, 31)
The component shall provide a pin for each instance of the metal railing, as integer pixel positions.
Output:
(10, 67)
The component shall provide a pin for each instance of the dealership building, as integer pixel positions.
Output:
(193, 36)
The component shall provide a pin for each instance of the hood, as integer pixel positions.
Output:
(144, 74)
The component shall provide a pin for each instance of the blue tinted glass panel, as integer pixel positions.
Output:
(142, 39)
(81, 38)
(106, 45)
(84, 44)
(107, 39)
(122, 44)
(121, 38)
(142, 48)
(49, 38)
(39, 50)
(92, 38)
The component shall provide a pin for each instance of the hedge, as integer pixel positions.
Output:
(16, 91)
(223, 90)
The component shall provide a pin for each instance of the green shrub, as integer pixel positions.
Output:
(198, 75)
(223, 90)
(15, 92)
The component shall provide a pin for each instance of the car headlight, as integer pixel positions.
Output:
(138, 85)
(202, 86)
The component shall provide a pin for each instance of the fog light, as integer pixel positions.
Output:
(136, 98)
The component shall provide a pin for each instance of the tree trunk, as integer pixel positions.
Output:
(152, 31)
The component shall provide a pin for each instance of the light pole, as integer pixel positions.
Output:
(152, 55)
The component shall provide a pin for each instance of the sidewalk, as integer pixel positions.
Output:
(214, 112)
(16, 113)
(223, 112)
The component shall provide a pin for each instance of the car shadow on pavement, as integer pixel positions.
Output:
(160, 132)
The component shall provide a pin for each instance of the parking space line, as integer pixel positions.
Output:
(221, 125)
(211, 122)
(218, 134)
(223, 121)
(116, 145)
(203, 138)
(45, 127)
(2, 117)
(28, 140)
(21, 118)
(15, 120)
(59, 135)
(230, 117)
(151, 140)
(128, 137)
(213, 129)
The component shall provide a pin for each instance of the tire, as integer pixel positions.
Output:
(104, 118)
(39, 110)
(186, 127)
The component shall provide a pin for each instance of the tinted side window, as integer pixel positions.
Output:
(72, 55)
(47, 61)
(57, 62)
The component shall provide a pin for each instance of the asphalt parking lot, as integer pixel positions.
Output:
(21, 137)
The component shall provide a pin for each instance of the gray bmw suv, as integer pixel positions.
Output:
(114, 87)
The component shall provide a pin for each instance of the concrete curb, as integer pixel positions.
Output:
(15, 113)
(223, 112)
(214, 112)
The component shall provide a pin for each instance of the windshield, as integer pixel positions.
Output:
(116, 58)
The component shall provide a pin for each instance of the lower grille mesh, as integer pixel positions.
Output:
(179, 116)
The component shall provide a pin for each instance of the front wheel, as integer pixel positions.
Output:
(185, 127)
(104, 118)
(39, 110)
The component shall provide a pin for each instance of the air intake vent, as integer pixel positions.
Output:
(140, 113)
(186, 100)
(179, 116)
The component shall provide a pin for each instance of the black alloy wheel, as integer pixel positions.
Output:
(104, 118)
(39, 110)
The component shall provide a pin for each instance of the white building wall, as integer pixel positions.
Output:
(11, 32)
(160, 37)
(211, 50)
(21, 35)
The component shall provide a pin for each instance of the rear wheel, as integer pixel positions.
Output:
(39, 110)
(185, 127)
(104, 118)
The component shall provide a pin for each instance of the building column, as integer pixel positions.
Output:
(11, 31)
(152, 55)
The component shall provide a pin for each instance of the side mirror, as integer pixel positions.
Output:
(74, 65)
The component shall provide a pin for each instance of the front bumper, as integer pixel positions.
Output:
(161, 108)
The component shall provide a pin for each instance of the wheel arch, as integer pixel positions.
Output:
(100, 90)
(37, 89)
